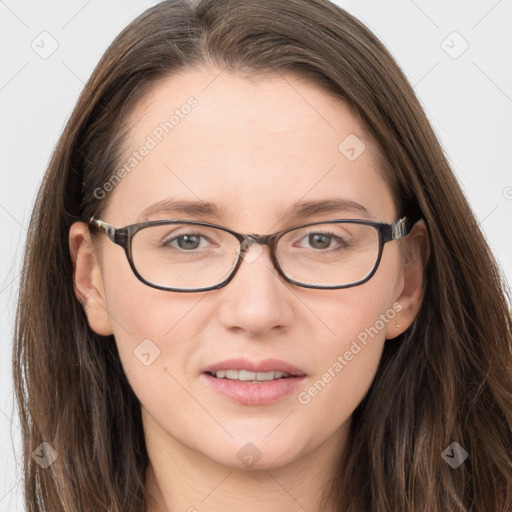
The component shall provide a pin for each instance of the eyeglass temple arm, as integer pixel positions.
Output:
(402, 227)
(109, 230)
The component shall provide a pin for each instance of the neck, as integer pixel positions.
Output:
(181, 479)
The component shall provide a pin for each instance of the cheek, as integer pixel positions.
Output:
(348, 356)
(345, 370)
(137, 311)
(155, 343)
(153, 328)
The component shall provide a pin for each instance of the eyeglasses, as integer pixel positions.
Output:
(190, 256)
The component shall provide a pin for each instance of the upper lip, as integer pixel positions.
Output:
(266, 365)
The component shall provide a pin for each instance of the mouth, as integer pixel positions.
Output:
(246, 369)
(254, 383)
(248, 376)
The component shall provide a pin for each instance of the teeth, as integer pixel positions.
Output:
(247, 375)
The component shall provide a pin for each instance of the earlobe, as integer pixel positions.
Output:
(417, 252)
(87, 279)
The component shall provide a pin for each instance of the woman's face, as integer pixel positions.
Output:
(252, 149)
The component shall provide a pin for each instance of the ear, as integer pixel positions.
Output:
(416, 252)
(87, 278)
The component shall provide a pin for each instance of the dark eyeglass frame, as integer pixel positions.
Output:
(123, 237)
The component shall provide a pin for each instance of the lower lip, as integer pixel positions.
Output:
(255, 393)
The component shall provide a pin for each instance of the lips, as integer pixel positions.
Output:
(251, 392)
(266, 365)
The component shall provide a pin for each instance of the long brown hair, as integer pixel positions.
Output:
(446, 379)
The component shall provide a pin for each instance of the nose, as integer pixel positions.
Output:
(257, 299)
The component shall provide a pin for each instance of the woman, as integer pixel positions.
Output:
(261, 284)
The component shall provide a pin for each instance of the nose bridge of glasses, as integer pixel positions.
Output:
(259, 241)
(255, 239)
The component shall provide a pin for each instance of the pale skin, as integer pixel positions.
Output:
(253, 149)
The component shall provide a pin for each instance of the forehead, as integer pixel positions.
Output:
(252, 147)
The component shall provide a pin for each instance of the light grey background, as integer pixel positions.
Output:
(466, 94)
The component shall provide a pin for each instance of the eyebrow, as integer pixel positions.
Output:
(300, 209)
